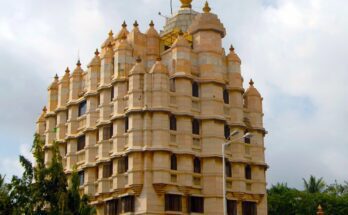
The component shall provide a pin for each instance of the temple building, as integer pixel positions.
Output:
(144, 122)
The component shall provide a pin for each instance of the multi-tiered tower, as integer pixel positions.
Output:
(144, 123)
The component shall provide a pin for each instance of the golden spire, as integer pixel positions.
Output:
(251, 82)
(78, 63)
(186, 3)
(67, 70)
(231, 48)
(151, 23)
(56, 77)
(206, 8)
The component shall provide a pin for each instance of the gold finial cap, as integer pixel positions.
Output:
(186, 3)
(206, 8)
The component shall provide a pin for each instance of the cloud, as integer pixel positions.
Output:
(294, 50)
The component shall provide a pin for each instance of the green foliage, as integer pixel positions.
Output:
(314, 185)
(289, 201)
(43, 189)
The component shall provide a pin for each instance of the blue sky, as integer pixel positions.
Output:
(295, 51)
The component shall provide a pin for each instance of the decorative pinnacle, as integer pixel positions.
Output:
(124, 25)
(231, 48)
(152, 24)
(44, 109)
(56, 77)
(138, 60)
(67, 70)
(251, 82)
(181, 33)
(206, 8)
(186, 3)
(111, 33)
(78, 63)
(96, 52)
(135, 24)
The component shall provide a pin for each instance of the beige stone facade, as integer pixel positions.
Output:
(145, 121)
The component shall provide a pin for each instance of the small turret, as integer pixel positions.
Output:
(41, 123)
(93, 76)
(181, 55)
(123, 59)
(108, 40)
(107, 66)
(253, 99)
(233, 69)
(76, 82)
(320, 211)
(136, 82)
(137, 41)
(123, 32)
(207, 31)
(53, 94)
(63, 89)
(152, 45)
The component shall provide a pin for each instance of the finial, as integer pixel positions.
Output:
(181, 33)
(206, 8)
(111, 33)
(152, 24)
(138, 60)
(231, 48)
(320, 210)
(251, 82)
(186, 3)
(78, 63)
(135, 24)
(96, 52)
(124, 25)
(44, 109)
(67, 70)
(56, 77)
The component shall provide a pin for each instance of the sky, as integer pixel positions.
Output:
(296, 52)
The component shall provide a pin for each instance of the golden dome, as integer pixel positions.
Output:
(186, 3)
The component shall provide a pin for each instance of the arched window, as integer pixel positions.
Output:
(195, 126)
(82, 108)
(227, 131)
(195, 89)
(196, 165)
(228, 168)
(248, 172)
(226, 96)
(173, 162)
(246, 139)
(172, 123)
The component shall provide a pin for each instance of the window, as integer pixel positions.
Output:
(249, 208)
(195, 89)
(248, 172)
(81, 177)
(228, 168)
(67, 115)
(173, 202)
(172, 85)
(195, 126)
(195, 204)
(126, 124)
(196, 165)
(227, 131)
(172, 123)
(82, 108)
(122, 165)
(127, 204)
(96, 173)
(66, 148)
(173, 162)
(107, 170)
(112, 94)
(226, 96)
(97, 135)
(108, 132)
(231, 207)
(246, 139)
(81, 142)
(111, 207)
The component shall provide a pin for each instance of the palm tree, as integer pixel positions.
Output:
(314, 185)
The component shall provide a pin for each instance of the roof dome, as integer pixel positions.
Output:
(252, 91)
(207, 22)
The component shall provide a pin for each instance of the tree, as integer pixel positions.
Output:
(5, 206)
(314, 185)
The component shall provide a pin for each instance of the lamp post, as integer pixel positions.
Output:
(234, 133)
